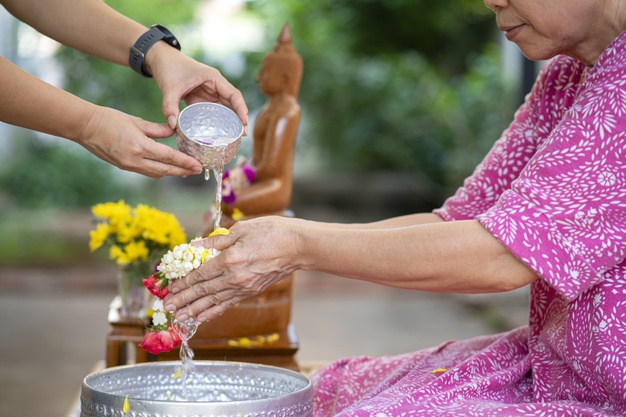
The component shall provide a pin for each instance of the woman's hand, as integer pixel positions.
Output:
(125, 141)
(182, 78)
(257, 254)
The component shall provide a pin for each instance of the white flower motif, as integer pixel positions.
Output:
(606, 178)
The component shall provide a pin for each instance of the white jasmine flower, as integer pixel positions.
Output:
(159, 318)
(158, 305)
(183, 259)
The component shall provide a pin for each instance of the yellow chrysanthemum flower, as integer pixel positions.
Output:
(137, 234)
(128, 231)
(137, 251)
(117, 254)
(131, 252)
(99, 236)
(115, 213)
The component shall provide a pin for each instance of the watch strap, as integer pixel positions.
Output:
(138, 51)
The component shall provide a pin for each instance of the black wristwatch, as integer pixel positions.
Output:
(139, 50)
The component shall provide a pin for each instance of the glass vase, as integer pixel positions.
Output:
(133, 295)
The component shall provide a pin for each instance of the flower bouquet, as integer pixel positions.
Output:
(136, 237)
(166, 333)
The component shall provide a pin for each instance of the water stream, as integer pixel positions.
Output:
(186, 329)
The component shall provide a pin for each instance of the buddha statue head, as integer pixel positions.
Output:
(281, 69)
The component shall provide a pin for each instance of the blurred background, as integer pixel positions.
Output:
(400, 100)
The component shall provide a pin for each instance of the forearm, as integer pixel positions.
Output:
(34, 104)
(400, 221)
(87, 25)
(460, 257)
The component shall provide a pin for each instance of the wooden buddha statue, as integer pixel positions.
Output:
(268, 188)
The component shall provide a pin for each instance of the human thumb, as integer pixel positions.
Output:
(170, 110)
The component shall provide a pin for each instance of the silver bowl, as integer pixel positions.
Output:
(224, 389)
(209, 132)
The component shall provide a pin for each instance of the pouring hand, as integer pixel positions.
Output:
(252, 258)
(182, 78)
(125, 141)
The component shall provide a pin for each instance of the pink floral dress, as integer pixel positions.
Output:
(553, 191)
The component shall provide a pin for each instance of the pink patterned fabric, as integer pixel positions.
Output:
(553, 190)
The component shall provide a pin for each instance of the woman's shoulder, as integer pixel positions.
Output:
(560, 72)
(556, 87)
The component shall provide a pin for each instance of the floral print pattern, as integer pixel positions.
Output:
(553, 191)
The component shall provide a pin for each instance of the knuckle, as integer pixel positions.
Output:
(203, 291)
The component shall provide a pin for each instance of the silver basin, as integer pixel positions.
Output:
(209, 132)
(224, 389)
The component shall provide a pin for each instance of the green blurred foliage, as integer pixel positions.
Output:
(22, 228)
(398, 85)
(45, 176)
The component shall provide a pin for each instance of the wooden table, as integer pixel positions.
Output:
(257, 330)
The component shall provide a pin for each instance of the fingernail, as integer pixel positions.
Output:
(182, 317)
(170, 308)
(174, 290)
(172, 122)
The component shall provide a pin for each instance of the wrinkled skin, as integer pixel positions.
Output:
(246, 269)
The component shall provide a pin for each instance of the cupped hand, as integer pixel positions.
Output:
(126, 142)
(182, 78)
(258, 253)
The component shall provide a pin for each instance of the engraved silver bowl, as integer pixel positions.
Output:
(224, 389)
(209, 132)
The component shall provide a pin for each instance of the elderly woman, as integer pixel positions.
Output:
(545, 208)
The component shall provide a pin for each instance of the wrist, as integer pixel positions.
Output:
(159, 53)
(304, 238)
(155, 37)
(89, 118)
